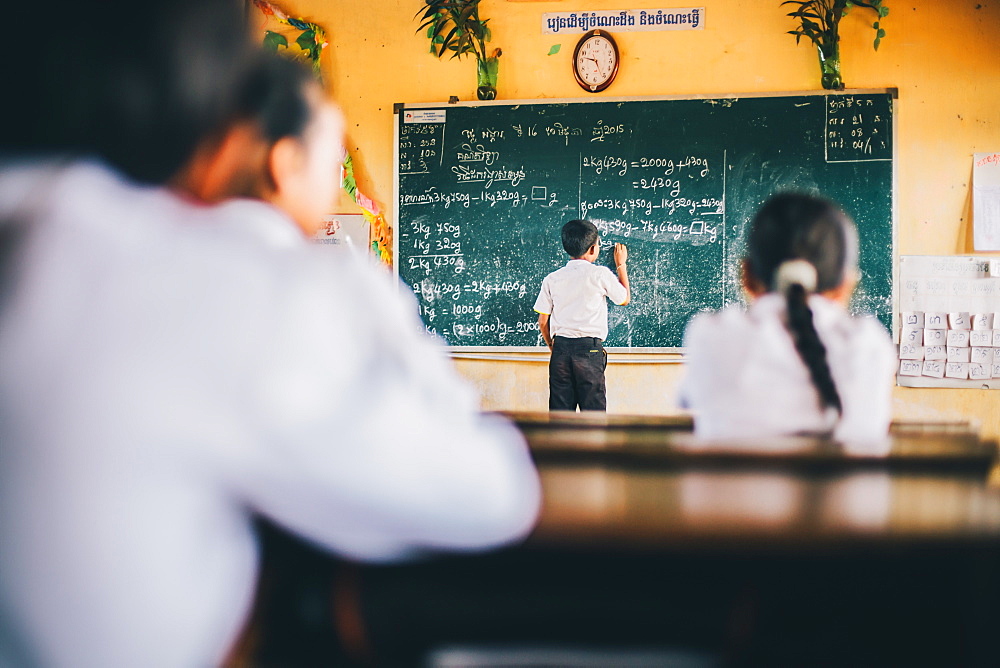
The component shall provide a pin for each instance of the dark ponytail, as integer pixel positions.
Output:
(810, 347)
(799, 244)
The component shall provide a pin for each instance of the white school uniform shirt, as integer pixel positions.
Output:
(575, 297)
(745, 379)
(167, 373)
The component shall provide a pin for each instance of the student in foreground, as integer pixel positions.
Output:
(282, 147)
(168, 374)
(573, 319)
(794, 362)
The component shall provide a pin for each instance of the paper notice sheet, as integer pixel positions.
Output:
(986, 201)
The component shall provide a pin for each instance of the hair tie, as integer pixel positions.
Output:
(792, 272)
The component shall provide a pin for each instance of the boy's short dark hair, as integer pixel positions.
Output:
(578, 236)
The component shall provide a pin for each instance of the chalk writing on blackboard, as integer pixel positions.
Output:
(484, 189)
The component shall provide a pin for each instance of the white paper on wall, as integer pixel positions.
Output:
(986, 201)
(343, 232)
(958, 300)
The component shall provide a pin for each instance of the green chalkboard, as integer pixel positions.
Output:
(483, 190)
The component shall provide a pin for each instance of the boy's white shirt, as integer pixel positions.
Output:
(575, 297)
(745, 379)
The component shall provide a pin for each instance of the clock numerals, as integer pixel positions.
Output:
(595, 62)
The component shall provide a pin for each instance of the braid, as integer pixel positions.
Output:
(810, 347)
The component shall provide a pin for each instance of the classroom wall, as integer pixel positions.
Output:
(931, 53)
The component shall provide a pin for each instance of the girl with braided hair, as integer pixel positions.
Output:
(794, 362)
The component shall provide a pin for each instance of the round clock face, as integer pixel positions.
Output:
(595, 61)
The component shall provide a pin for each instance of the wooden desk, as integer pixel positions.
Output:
(755, 564)
(667, 441)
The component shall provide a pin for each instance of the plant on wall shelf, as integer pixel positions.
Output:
(819, 20)
(455, 26)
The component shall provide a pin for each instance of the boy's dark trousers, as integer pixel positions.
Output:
(576, 374)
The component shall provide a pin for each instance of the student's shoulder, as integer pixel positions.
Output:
(707, 326)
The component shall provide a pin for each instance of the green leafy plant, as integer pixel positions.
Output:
(819, 20)
(454, 26)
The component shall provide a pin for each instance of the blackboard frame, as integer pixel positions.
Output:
(673, 352)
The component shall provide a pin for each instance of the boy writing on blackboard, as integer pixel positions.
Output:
(573, 318)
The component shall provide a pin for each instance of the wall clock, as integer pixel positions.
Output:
(595, 61)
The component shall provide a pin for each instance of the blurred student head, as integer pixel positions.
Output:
(802, 227)
(135, 84)
(284, 146)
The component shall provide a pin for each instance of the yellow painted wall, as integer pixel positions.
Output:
(942, 56)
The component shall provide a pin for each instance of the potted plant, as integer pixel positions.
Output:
(455, 26)
(819, 20)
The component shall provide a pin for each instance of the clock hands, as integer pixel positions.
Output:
(600, 49)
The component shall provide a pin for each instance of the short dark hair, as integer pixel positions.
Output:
(136, 84)
(275, 97)
(578, 236)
